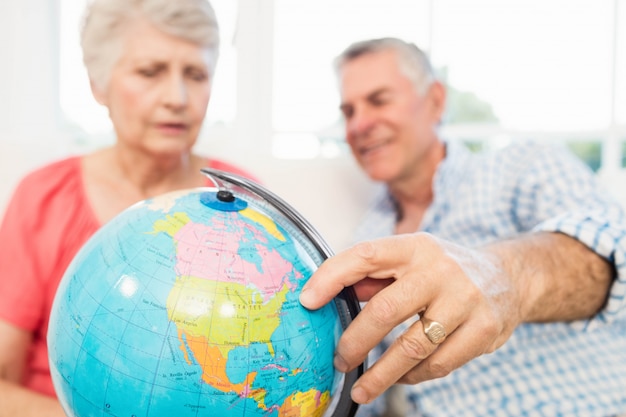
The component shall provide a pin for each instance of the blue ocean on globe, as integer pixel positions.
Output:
(184, 305)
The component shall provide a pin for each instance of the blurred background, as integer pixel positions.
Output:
(516, 69)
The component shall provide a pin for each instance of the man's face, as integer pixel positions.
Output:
(389, 127)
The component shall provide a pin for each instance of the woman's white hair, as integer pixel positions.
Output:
(413, 61)
(105, 22)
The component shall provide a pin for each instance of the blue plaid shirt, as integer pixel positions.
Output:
(553, 369)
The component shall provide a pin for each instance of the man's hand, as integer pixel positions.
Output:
(479, 296)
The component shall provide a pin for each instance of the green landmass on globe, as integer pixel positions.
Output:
(187, 305)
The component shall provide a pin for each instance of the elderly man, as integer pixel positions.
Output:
(501, 291)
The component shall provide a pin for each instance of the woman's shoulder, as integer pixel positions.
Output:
(223, 165)
(51, 174)
(58, 180)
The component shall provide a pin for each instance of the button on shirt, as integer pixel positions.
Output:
(552, 369)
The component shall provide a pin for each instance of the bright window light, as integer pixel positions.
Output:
(540, 65)
(307, 37)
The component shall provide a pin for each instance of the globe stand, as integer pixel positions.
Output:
(232, 190)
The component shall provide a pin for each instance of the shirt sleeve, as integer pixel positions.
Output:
(568, 198)
(603, 231)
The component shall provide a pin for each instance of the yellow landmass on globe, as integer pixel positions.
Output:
(171, 224)
(311, 403)
(213, 318)
(264, 221)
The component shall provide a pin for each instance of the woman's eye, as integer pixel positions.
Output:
(197, 75)
(148, 72)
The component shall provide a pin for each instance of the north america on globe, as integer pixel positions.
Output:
(188, 308)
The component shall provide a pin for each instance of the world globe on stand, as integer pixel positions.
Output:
(187, 305)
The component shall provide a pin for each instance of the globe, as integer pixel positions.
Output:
(187, 305)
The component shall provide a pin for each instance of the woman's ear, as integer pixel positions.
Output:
(98, 92)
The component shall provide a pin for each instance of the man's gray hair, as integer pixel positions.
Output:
(105, 22)
(413, 62)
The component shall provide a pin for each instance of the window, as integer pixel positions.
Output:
(514, 68)
(79, 108)
(539, 65)
(550, 70)
(620, 64)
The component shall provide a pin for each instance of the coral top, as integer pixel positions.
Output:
(47, 221)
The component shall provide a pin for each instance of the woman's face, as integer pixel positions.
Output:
(158, 91)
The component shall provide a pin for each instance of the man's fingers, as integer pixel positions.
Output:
(466, 343)
(381, 314)
(406, 352)
(374, 259)
(394, 305)
(369, 287)
(429, 361)
(413, 355)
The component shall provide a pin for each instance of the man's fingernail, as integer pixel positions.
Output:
(306, 297)
(359, 395)
(340, 364)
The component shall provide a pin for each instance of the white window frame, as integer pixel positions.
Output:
(29, 84)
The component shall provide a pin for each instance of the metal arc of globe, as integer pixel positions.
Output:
(187, 305)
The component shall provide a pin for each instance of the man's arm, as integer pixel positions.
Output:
(562, 278)
(479, 296)
(15, 400)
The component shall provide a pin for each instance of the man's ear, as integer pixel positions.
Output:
(98, 93)
(437, 97)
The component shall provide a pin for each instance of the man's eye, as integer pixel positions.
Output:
(378, 101)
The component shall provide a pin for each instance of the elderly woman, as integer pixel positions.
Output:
(150, 62)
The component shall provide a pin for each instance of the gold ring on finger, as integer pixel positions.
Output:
(435, 332)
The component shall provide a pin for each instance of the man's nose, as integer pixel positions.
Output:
(361, 121)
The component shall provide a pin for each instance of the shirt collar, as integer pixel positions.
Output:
(451, 170)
